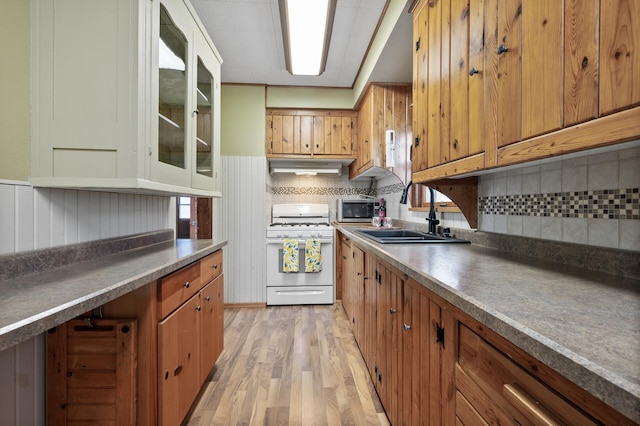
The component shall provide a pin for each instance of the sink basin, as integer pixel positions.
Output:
(404, 236)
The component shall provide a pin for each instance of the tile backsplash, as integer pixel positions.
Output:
(592, 199)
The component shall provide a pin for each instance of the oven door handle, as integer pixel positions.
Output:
(280, 241)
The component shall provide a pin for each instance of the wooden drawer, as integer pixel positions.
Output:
(502, 392)
(178, 287)
(210, 267)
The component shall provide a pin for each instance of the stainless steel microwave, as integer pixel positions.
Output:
(361, 210)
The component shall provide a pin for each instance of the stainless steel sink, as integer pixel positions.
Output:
(404, 236)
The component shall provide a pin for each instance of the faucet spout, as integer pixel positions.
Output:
(405, 193)
(431, 218)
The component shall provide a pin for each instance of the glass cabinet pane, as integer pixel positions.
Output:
(172, 60)
(204, 133)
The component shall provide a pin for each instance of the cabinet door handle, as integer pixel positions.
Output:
(392, 311)
(215, 266)
(187, 284)
(473, 71)
(208, 299)
(527, 405)
(198, 308)
(177, 370)
(502, 49)
(196, 111)
(358, 273)
(406, 327)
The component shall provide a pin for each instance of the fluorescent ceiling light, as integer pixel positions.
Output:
(306, 168)
(306, 32)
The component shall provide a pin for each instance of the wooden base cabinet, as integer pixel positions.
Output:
(180, 336)
(497, 383)
(432, 364)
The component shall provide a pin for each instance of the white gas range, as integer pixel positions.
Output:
(299, 222)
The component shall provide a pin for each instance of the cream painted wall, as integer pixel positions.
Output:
(15, 131)
(309, 97)
(242, 119)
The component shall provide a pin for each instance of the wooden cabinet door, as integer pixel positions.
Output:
(359, 295)
(420, 89)
(178, 362)
(542, 64)
(347, 282)
(212, 301)
(467, 73)
(581, 60)
(508, 77)
(434, 85)
(619, 55)
(364, 132)
(370, 314)
(349, 135)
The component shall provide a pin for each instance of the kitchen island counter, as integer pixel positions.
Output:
(35, 302)
(583, 324)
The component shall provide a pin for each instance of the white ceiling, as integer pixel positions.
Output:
(248, 35)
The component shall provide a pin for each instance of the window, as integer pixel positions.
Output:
(184, 208)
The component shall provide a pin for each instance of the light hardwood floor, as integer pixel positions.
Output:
(290, 365)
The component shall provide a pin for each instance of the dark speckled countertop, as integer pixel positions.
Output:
(34, 302)
(583, 324)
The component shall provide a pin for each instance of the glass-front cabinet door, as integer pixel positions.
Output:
(207, 122)
(185, 150)
(173, 71)
(172, 50)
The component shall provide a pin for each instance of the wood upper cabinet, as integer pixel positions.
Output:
(310, 133)
(499, 82)
(382, 108)
(448, 83)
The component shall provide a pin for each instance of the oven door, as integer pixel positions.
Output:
(292, 288)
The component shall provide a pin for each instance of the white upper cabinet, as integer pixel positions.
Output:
(125, 97)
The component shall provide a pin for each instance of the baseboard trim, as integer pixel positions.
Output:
(245, 305)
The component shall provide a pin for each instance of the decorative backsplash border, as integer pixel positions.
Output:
(594, 204)
(317, 190)
(334, 190)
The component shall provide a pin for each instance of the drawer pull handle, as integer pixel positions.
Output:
(528, 406)
(502, 49)
(473, 71)
(215, 266)
(198, 308)
(392, 311)
(208, 298)
(177, 370)
(187, 284)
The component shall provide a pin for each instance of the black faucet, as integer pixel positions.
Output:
(431, 218)
(405, 193)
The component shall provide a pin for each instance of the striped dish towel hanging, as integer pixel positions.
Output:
(290, 255)
(312, 256)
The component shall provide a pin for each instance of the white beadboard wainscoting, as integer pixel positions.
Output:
(244, 227)
(38, 218)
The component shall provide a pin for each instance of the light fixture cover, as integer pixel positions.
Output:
(306, 33)
(305, 168)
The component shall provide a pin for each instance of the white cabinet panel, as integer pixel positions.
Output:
(96, 86)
